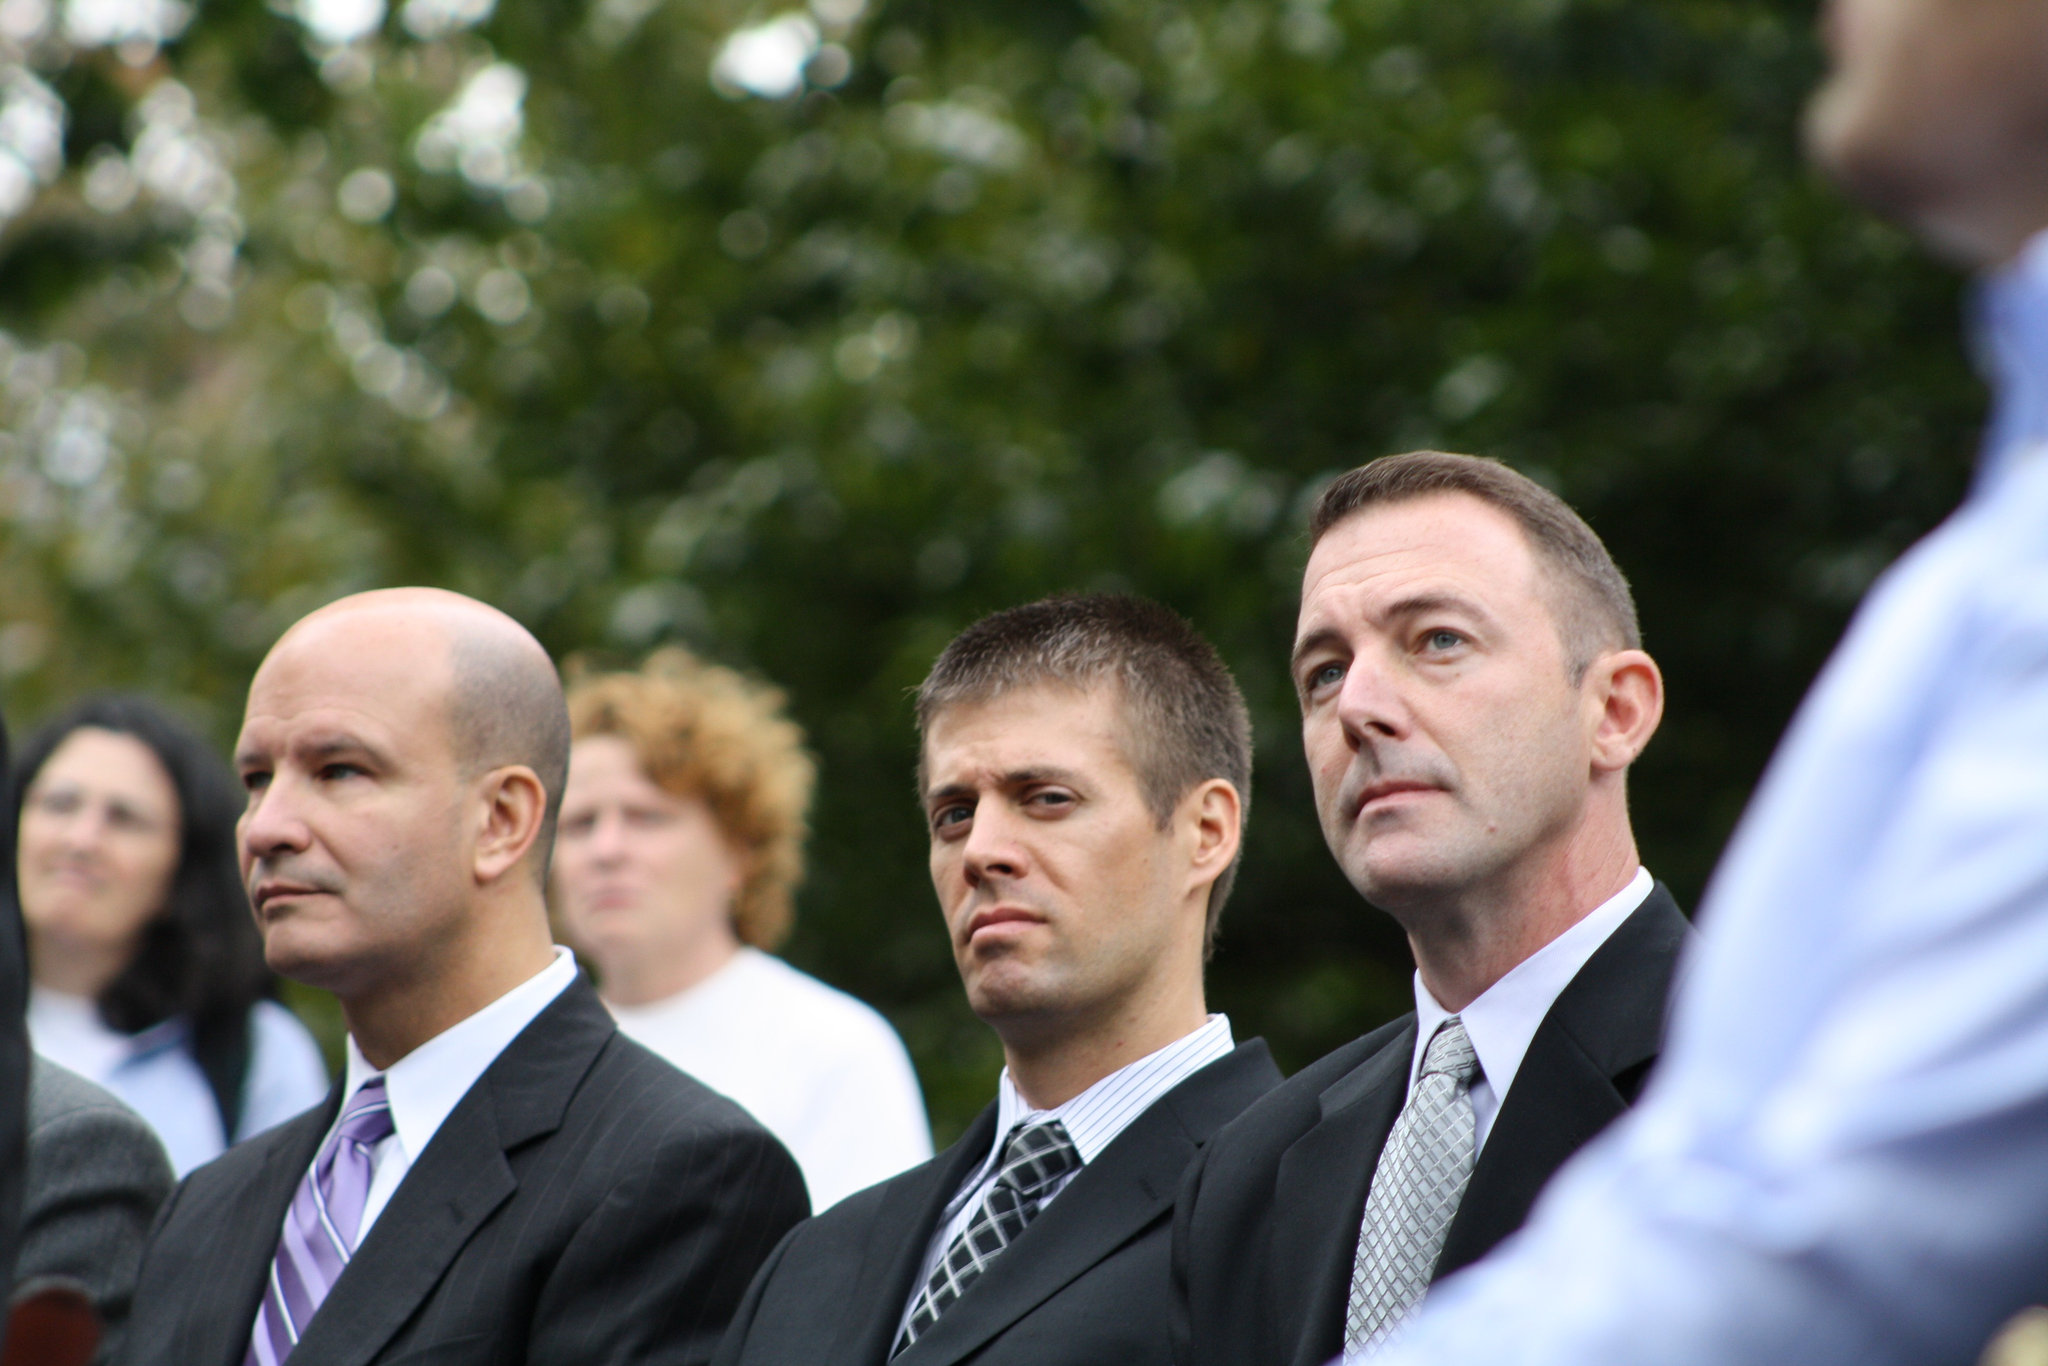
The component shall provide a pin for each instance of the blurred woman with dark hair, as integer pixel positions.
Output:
(146, 971)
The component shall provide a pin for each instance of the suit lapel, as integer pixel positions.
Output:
(458, 1182)
(1559, 1100)
(247, 1233)
(1127, 1188)
(1322, 1182)
(899, 1236)
(1584, 1065)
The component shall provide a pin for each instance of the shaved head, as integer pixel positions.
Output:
(507, 708)
(404, 754)
(504, 699)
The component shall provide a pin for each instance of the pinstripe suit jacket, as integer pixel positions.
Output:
(585, 1204)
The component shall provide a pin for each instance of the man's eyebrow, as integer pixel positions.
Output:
(1016, 777)
(947, 793)
(1310, 643)
(327, 746)
(1024, 777)
(1420, 603)
(316, 750)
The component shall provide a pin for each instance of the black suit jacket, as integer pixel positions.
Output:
(1266, 1228)
(1085, 1283)
(585, 1204)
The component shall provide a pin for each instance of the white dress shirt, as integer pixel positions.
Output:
(155, 1074)
(1093, 1119)
(821, 1071)
(1843, 1154)
(1501, 1020)
(428, 1083)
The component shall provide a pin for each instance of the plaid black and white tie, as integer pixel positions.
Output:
(1421, 1177)
(1032, 1161)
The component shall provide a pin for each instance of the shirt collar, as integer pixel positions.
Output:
(1096, 1116)
(426, 1084)
(2011, 333)
(1502, 1020)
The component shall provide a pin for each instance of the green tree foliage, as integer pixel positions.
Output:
(918, 309)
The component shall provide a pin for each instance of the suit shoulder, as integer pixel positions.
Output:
(81, 1137)
(628, 1074)
(1614, 1008)
(58, 1095)
(240, 1163)
(1664, 924)
(1279, 1116)
(1319, 1076)
(853, 1216)
(848, 1225)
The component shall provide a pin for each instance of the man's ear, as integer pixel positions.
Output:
(512, 805)
(1214, 816)
(1628, 690)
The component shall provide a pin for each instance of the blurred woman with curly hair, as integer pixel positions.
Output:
(675, 871)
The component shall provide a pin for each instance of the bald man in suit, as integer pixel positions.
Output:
(501, 1177)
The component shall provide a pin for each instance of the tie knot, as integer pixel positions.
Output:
(1450, 1053)
(367, 1117)
(1036, 1156)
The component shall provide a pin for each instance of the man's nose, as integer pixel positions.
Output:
(992, 849)
(1371, 703)
(272, 824)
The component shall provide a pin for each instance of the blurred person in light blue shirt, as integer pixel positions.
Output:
(146, 971)
(1845, 1154)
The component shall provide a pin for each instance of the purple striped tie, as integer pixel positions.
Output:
(320, 1227)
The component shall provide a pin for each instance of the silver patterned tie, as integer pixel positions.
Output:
(1415, 1191)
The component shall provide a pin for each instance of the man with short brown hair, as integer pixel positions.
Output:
(501, 1176)
(1083, 773)
(1472, 692)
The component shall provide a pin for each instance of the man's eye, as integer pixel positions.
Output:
(1050, 800)
(255, 780)
(336, 771)
(951, 815)
(1324, 676)
(1442, 640)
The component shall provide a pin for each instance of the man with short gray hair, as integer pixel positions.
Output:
(1084, 773)
(1473, 690)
